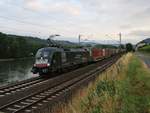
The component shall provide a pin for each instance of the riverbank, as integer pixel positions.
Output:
(123, 88)
(13, 59)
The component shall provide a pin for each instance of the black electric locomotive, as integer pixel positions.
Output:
(54, 59)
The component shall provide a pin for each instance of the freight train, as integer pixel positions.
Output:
(54, 59)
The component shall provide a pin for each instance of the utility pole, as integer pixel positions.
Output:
(120, 36)
(79, 38)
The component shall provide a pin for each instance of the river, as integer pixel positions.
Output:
(17, 70)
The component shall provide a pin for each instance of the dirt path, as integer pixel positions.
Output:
(145, 57)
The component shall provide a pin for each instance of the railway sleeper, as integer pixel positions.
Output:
(35, 98)
(30, 100)
(18, 106)
(11, 109)
(25, 103)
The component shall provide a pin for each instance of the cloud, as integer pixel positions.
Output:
(126, 26)
(145, 13)
(140, 33)
(64, 7)
(34, 5)
(58, 7)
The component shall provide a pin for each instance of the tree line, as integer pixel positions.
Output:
(12, 46)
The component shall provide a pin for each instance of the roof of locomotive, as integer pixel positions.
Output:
(62, 49)
(51, 49)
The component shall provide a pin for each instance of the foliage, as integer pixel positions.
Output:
(145, 48)
(122, 46)
(12, 46)
(129, 47)
(105, 46)
(135, 89)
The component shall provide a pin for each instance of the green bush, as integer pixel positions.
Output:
(145, 48)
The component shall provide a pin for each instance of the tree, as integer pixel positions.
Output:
(129, 47)
(12, 46)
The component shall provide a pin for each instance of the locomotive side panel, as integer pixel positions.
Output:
(77, 57)
(56, 61)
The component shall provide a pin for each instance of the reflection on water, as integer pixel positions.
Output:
(11, 71)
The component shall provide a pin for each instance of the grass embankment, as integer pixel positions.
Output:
(145, 48)
(123, 88)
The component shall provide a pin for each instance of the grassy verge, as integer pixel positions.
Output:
(145, 48)
(123, 88)
(134, 89)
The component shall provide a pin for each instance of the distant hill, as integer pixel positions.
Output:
(105, 46)
(88, 43)
(65, 43)
(142, 43)
(147, 41)
(36, 40)
(29, 39)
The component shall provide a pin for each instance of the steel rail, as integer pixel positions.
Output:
(7, 90)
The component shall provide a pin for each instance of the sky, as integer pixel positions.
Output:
(96, 20)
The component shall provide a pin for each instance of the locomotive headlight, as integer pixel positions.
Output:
(48, 64)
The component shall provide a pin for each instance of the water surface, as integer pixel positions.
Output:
(17, 70)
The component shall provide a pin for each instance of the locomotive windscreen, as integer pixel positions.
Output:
(42, 53)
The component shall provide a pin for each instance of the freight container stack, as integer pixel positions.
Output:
(97, 54)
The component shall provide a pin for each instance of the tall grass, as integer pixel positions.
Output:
(123, 88)
(135, 88)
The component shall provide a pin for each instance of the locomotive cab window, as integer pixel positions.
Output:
(43, 54)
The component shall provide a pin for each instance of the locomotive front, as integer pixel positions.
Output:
(42, 61)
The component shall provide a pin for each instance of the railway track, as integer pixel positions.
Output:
(34, 101)
(19, 86)
(12, 88)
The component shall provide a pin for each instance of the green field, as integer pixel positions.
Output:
(145, 48)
